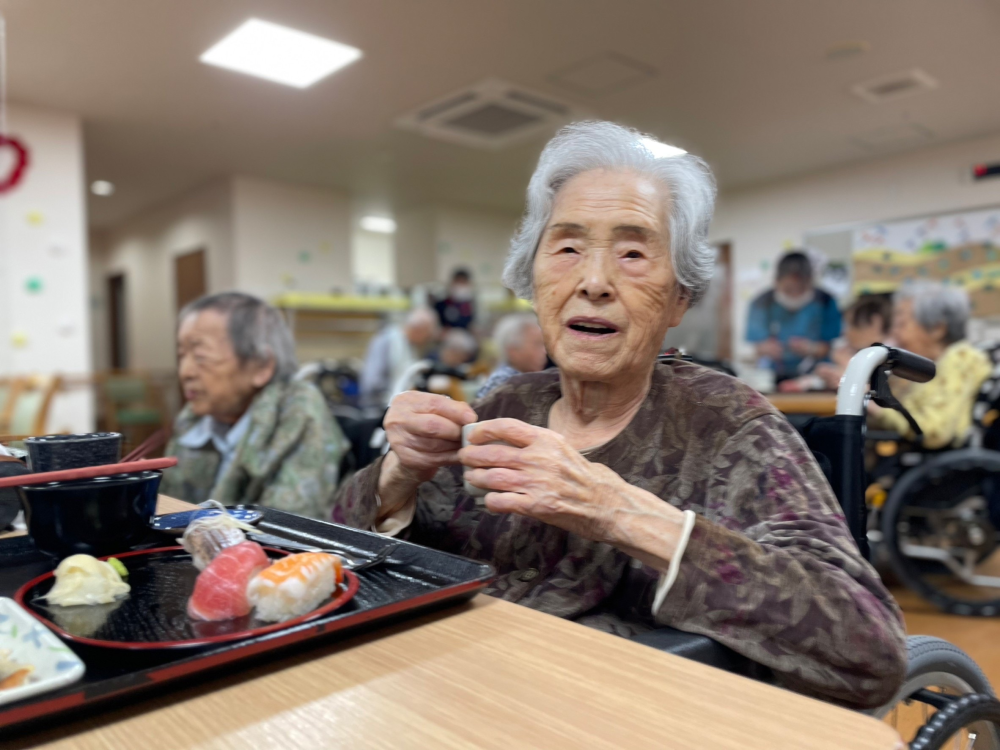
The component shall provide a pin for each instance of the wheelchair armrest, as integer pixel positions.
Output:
(703, 649)
(886, 435)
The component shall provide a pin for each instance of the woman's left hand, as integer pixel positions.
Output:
(540, 475)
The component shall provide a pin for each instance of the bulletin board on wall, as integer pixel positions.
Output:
(956, 248)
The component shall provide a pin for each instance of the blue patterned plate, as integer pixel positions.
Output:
(175, 523)
(31, 643)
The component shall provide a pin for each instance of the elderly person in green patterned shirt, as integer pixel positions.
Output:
(248, 433)
(626, 494)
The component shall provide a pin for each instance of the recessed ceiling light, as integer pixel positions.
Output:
(102, 188)
(661, 150)
(380, 224)
(280, 54)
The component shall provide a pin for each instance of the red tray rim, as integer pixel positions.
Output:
(345, 596)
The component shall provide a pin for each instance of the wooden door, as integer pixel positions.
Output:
(116, 322)
(189, 277)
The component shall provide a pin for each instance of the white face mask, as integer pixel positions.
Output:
(794, 304)
(461, 293)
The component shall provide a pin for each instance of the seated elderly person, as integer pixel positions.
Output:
(248, 433)
(458, 347)
(392, 351)
(521, 348)
(929, 319)
(629, 494)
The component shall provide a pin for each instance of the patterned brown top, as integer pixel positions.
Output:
(770, 569)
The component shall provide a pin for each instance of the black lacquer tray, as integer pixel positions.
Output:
(416, 578)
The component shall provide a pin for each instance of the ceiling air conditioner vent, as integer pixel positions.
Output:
(491, 114)
(895, 86)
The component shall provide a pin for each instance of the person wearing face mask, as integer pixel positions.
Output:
(458, 309)
(793, 325)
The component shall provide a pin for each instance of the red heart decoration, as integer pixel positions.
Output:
(20, 162)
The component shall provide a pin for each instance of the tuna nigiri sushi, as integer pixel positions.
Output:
(294, 585)
(220, 593)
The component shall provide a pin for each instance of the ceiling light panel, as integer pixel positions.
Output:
(380, 224)
(280, 54)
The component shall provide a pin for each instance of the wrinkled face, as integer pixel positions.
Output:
(528, 355)
(861, 337)
(909, 334)
(212, 377)
(604, 286)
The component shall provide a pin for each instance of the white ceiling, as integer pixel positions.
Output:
(744, 83)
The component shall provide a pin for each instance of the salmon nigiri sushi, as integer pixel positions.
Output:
(220, 592)
(294, 585)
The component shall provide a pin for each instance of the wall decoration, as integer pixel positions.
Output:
(961, 249)
(34, 284)
(35, 218)
(18, 339)
(305, 256)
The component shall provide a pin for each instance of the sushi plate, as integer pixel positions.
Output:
(28, 643)
(154, 613)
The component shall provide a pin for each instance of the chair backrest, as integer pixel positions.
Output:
(838, 444)
(125, 389)
(31, 405)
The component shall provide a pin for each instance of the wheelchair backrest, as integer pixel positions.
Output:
(986, 410)
(838, 444)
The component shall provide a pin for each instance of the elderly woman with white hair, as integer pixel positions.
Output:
(626, 494)
(249, 433)
(520, 349)
(929, 319)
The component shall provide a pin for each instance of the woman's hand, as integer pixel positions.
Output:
(541, 476)
(424, 430)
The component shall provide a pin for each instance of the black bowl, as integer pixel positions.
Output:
(91, 516)
(58, 452)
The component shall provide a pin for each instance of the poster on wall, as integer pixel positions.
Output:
(960, 248)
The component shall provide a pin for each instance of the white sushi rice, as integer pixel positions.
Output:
(293, 596)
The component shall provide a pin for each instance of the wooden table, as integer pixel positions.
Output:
(488, 674)
(819, 404)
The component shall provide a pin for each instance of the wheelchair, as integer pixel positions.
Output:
(945, 699)
(941, 514)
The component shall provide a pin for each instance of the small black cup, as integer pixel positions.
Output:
(58, 452)
(91, 516)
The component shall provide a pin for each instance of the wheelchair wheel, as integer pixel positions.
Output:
(959, 724)
(938, 674)
(939, 526)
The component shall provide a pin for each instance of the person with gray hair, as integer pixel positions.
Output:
(393, 350)
(624, 493)
(929, 319)
(520, 348)
(248, 432)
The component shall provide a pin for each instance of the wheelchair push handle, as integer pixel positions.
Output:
(910, 366)
(873, 364)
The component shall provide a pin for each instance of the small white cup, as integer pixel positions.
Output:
(471, 489)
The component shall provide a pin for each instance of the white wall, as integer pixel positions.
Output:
(415, 256)
(143, 248)
(43, 238)
(290, 237)
(373, 257)
(762, 221)
(476, 240)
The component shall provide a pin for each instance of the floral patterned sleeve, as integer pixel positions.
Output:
(772, 572)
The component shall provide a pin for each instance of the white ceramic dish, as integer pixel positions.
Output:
(30, 642)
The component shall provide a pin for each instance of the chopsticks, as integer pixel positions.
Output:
(151, 443)
(88, 472)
